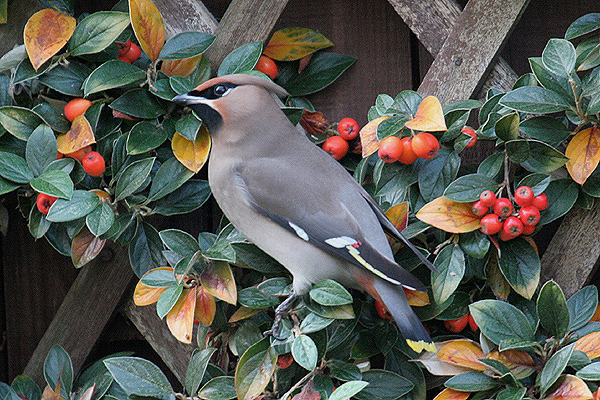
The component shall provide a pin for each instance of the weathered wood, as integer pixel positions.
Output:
(174, 353)
(572, 255)
(186, 15)
(244, 21)
(85, 310)
(469, 50)
(432, 21)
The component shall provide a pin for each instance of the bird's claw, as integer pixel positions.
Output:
(282, 310)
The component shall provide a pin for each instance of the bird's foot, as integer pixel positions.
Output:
(281, 311)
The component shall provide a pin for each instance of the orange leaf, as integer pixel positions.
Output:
(435, 366)
(291, 44)
(570, 388)
(596, 316)
(50, 394)
(217, 280)
(206, 307)
(180, 319)
(429, 116)
(398, 215)
(148, 27)
(465, 353)
(146, 295)
(314, 123)
(583, 152)
(451, 394)
(590, 345)
(192, 154)
(416, 298)
(45, 33)
(79, 136)
(449, 216)
(368, 136)
(519, 362)
(180, 68)
(242, 313)
(85, 247)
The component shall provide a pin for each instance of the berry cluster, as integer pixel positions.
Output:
(459, 324)
(499, 215)
(408, 149)
(338, 146)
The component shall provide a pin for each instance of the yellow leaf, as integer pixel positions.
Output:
(570, 388)
(180, 68)
(583, 152)
(451, 394)
(79, 136)
(435, 366)
(590, 345)
(416, 298)
(398, 215)
(217, 280)
(449, 216)
(50, 394)
(368, 136)
(519, 362)
(180, 319)
(145, 295)
(291, 44)
(206, 307)
(148, 27)
(242, 313)
(192, 154)
(465, 353)
(45, 33)
(429, 116)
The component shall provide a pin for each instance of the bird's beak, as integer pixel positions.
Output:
(186, 99)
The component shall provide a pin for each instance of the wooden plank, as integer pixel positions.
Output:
(469, 50)
(244, 21)
(174, 353)
(85, 310)
(186, 15)
(432, 21)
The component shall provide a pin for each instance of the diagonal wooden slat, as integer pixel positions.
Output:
(186, 15)
(432, 21)
(467, 53)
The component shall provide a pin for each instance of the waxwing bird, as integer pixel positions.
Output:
(295, 202)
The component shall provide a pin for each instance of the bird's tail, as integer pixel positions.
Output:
(410, 325)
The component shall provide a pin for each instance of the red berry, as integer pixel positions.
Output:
(513, 226)
(124, 59)
(336, 146)
(505, 236)
(76, 107)
(134, 53)
(491, 224)
(382, 310)
(523, 196)
(285, 360)
(457, 325)
(528, 229)
(390, 149)
(425, 145)
(529, 215)
(479, 208)
(124, 47)
(470, 132)
(44, 202)
(408, 156)
(348, 128)
(472, 323)
(540, 202)
(93, 163)
(488, 198)
(503, 207)
(267, 66)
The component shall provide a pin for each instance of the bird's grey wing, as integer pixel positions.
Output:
(315, 208)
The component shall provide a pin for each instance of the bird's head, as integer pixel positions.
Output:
(231, 98)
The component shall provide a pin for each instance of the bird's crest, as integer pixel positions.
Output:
(245, 79)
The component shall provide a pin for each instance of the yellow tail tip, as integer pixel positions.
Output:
(421, 345)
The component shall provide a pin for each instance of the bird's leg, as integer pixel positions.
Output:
(281, 311)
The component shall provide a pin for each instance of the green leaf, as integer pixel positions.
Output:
(391, 126)
(159, 278)
(314, 323)
(517, 150)
(112, 74)
(100, 220)
(188, 197)
(507, 127)
(492, 165)
(305, 352)
(25, 71)
(520, 265)
(81, 204)
(280, 286)
(467, 188)
(537, 182)
(555, 367)
(582, 306)
(437, 173)
(251, 297)
(255, 258)
(19, 121)
(26, 387)
(179, 241)
(219, 388)
(552, 309)
(41, 149)
(590, 372)
(255, 369)
(534, 99)
(383, 385)
(450, 263)
(170, 176)
(58, 367)
(97, 31)
(145, 136)
(138, 103)
(585, 24)
(559, 57)
(8, 393)
(138, 376)
(145, 250)
(14, 168)
(163, 90)
(244, 58)
(67, 78)
(471, 381)
(196, 368)
(348, 390)
(543, 158)
(556, 83)
(500, 321)
(323, 70)
(344, 371)
(330, 293)
(407, 103)
(52, 116)
(185, 45)
(167, 300)
(562, 195)
(188, 126)
(133, 177)
(55, 183)
(546, 129)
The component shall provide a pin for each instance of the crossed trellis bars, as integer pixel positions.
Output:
(465, 45)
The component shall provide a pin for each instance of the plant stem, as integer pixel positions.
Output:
(299, 383)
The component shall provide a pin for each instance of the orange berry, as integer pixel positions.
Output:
(390, 149)
(425, 145)
(76, 107)
(93, 163)
(79, 154)
(470, 132)
(408, 156)
(267, 66)
(348, 128)
(336, 146)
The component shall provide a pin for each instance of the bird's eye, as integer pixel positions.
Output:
(221, 90)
